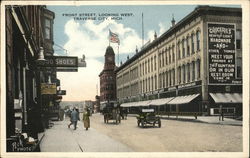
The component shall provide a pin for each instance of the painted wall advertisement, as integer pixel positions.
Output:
(221, 53)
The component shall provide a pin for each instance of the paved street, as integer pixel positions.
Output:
(61, 139)
(184, 134)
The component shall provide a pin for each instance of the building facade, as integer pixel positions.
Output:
(25, 44)
(197, 64)
(108, 77)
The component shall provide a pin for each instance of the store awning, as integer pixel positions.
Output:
(183, 99)
(226, 97)
(162, 101)
(135, 104)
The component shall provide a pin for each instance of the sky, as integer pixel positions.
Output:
(74, 37)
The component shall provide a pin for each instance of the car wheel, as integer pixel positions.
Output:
(159, 124)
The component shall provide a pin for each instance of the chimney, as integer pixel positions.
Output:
(173, 21)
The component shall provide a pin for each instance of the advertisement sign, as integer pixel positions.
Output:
(48, 88)
(221, 53)
(60, 61)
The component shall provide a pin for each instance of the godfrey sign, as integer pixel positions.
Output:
(221, 53)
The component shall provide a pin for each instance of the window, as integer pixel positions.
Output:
(173, 77)
(155, 82)
(183, 48)
(173, 57)
(179, 74)
(148, 65)
(152, 64)
(169, 53)
(163, 53)
(238, 39)
(160, 59)
(198, 69)
(155, 61)
(193, 72)
(198, 40)
(166, 79)
(179, 50)
(47, 29)
(192, 43)
(188, 72)
(166, 56)
(183, 74)
(163, 79)
(188, 47)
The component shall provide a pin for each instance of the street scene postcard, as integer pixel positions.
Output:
(125, 79)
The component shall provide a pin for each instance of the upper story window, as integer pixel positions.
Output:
(47, 28)
(198, 40)
(188, 47)
(238, 39)
(173, 56)
(179, 50)
(183, 48)
(192, 43)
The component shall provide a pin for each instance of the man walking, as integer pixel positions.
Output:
(74, 118)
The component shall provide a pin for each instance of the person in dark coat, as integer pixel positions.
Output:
(221, 117)
(86, 120)
(74, 118)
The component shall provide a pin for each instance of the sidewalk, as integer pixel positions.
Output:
(60, 138)
(207, 119)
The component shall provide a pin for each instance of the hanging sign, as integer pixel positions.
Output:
(48, 88)
(221, 53)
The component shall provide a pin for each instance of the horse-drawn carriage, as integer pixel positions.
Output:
(111, 111)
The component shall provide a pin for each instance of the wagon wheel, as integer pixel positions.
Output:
(159, 123)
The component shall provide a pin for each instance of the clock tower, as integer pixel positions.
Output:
(109, 59)
(108, 77)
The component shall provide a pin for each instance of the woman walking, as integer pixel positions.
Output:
(86, 119)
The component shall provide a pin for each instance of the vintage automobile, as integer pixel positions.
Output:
(148, 117)
(111, 112)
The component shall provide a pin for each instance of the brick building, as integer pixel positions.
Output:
(108, 78)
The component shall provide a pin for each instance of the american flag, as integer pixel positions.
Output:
(113, 37)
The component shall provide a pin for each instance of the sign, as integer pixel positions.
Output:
(48, 88)
(59, 61)
(61, 92)
(221, 53)
(66, 69)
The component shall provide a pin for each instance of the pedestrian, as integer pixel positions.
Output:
(221, 117)
(86, 119)
(74, 118)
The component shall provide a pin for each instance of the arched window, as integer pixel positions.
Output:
(198, 69)
(179, 74)
(188, 47)
(179, 50)
(193, 71)
(173, 56)
(169, 53)
(183, 74)
(188, 72)
(192, 43)
(163, 53)
(173, 76)
(183, 48)
(198, 40)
